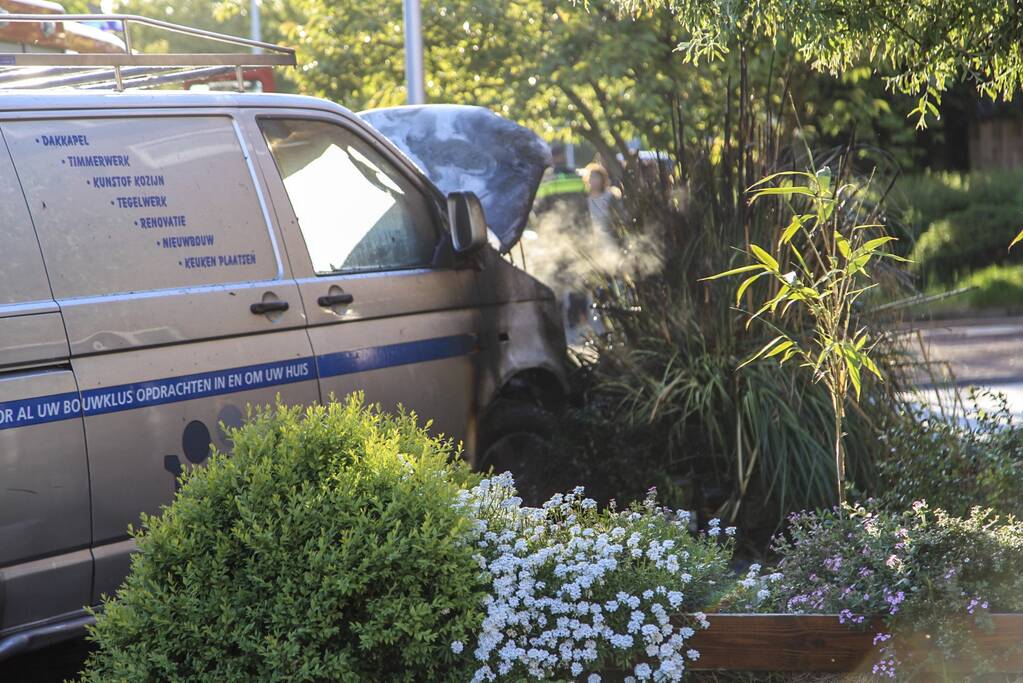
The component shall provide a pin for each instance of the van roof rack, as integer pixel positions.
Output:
(130, 69)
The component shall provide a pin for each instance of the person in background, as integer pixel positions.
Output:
(603, 199)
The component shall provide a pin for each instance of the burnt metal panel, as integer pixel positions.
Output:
(471, 149)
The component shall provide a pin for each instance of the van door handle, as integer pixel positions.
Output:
(335, 299)
(268, 307)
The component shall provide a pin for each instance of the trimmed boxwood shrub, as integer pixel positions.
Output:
(327, 548)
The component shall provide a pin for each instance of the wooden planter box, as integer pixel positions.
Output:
(819, 643)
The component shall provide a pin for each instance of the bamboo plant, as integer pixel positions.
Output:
(818, 271)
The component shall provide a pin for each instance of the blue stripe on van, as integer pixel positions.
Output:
(198, 385)
(392, 355)
(33, 411)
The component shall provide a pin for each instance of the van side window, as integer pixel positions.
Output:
(22, 276)
(141, 203)
(356, 212)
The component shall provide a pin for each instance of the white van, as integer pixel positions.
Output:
(170, 258)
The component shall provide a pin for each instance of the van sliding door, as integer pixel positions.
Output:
(179, 308)
(45, 563)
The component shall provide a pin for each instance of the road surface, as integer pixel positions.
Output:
(982, 352)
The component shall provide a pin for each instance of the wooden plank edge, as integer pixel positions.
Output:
(821, 643)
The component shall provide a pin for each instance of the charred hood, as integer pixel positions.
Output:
(471, 149)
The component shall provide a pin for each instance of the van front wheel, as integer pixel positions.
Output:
(517, 437)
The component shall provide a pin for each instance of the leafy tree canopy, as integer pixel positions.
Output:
(920, 47)
(566, 70)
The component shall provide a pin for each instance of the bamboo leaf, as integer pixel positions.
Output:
(1016, 240)
(826, 209)
(764, 257)
(799, 258)
(868, 362)
(859, 263)
(872, 245)
(733, 271)
(783, 191)
(843, 245)
(895, 257)
(854, 374)
(821, 357)
(782, 295)
(746, 284)
(780, 348)
(793, 227)
(779, 174)
(761, 352)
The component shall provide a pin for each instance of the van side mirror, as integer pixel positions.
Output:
(468, 222)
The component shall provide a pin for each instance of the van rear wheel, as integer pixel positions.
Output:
(518, 437)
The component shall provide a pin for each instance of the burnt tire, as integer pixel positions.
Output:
(518, 437)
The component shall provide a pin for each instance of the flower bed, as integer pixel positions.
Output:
(865, 590)
(400, 560)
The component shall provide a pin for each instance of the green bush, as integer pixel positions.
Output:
(327, 548)
(960, 222)
(954, 464)
(919, 200)
(998, 286)
(967, 240)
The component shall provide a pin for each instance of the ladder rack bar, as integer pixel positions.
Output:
(137, 59)
(152, 80)
(130, 69)
(125, 19)
(14, 74)
(62, 78)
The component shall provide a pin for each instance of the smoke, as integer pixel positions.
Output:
(570, 253)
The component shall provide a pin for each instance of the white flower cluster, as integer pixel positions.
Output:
(574, 590)
(754, 588)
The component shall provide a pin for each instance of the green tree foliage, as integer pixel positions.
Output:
(558, 69)
(564, 70)
(78, 6)
(921, 48)
(206, 15)
(328, 547)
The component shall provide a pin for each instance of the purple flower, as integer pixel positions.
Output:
(894, 600)
(975, 603)
(885, 667)
(847, 615)
(833, 563)
(797, 600)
